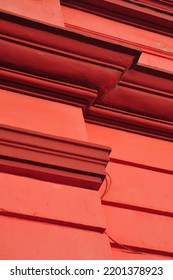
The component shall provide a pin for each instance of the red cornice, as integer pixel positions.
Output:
(161, 5)
(130, 122)
(53, 159)
(144, 14)
(103, 77)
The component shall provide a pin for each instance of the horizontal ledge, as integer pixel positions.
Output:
(90, 70)
(147, 16)
(40, 87)
(137, 208)
(50, 221)
(57, 159)
(139, 250)
(130, 122)
(47, 36)
(36, 200)
(142, 166)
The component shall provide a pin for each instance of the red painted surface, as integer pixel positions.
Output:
(140, 186)
(106, 78)
(116, 30)
(50, 158)
(121, 255)
(133, 148)
(35, 240)
(43, 116)
(48, 11)
(139, 196)
(139, 229)
(87, 72)
(161, 63)
(51, 203)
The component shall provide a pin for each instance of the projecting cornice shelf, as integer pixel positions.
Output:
(53, 159)
(103, 77)
(154, 15)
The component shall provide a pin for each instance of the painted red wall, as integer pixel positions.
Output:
(130, 216)
(43, 11)
(138, 204)
(41, 214)
(139, 201)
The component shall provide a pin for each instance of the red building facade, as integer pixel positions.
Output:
(86, 134)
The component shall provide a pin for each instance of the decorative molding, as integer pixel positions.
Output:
(99, 75)
(62, 65)
(53, 90)
(150, 15)
(158, 5)
(130, 122)
(53, 159)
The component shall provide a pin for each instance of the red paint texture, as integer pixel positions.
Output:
(54, 203)
(71, 76)
(47, 11)
(23, 239)
(42, 115)
(138, 203)
(110, 28)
